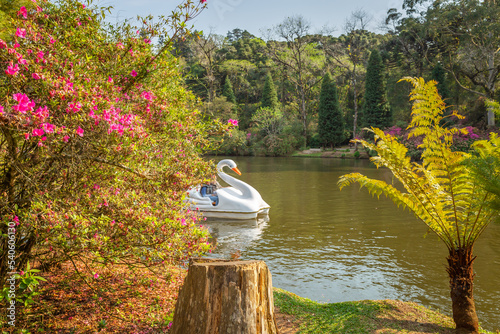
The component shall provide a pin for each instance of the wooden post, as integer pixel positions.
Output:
(225, 297)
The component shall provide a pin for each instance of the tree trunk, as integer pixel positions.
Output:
(461, 284)
(225, 297)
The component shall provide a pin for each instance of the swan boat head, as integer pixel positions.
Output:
(238, 201)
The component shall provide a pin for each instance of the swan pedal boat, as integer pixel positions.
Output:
(239, 201)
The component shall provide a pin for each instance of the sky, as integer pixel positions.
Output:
(255, 16)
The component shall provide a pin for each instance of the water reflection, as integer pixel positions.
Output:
(332, 246)
(234, 236)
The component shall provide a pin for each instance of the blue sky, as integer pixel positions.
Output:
(224, 15)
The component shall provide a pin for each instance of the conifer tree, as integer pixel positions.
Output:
(227, 91)
(438, 75)
(376, 111)
(331, 121)
(269, 95)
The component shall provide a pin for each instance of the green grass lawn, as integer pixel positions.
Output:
(380, 316)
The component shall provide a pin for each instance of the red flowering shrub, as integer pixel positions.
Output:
(98, 142)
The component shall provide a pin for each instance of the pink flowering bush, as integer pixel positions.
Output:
(462, 140)
(98, 141)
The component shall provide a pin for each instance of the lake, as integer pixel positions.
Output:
(332, 246)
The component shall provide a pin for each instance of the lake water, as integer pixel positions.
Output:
(333, 246)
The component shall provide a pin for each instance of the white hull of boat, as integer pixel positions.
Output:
(240, 201)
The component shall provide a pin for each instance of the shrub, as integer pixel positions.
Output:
(98, 143)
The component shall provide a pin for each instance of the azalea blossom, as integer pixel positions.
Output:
(24, 103)
(12, 69)
(1, 109)
(79, 131)
(74, 107)
(37, 132)
(21, 32)
(41, 113)
(23, 12)
(66, 139)
(147, 95)
(233, 122)
(49, 128)
(133, 73)
(36, 76)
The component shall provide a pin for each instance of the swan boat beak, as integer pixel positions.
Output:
(236, 170)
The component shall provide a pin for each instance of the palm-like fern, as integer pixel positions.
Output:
(441, 190)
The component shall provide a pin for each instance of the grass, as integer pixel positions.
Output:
(308, 155)
(379, 316)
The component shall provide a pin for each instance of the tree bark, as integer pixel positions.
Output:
(461, 283)
(225, 297)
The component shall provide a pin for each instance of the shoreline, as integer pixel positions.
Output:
(343, 152)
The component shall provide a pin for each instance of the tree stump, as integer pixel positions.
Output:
(225, 297)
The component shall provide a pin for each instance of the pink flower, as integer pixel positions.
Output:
(36, 76)
(96, 276)
(16, 219)
(120, 45)
(24, 103)
(21, 32)
(52, 40)
(3, 45)
(110, 79)
(1, 109)
(233, 122)
(40, 54)
(26, 136)
(79, 131)
(74, 107)
(147, 95)
(147, 41)
(12, 69)
(22, 11)
(203, 1)
(42, 113)
(133, 73)
(66, 139)
(37, 132)
(49, 128)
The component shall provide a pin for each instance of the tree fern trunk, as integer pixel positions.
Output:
(461, 284)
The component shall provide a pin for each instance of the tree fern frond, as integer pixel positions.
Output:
(441, 191)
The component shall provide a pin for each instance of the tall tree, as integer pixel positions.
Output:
(227, 91)
(301, 59)
(269, 95)
(350, 54)
(376, 110)
(441, 191)
(439, 75)
(206, 49)
(331, 121)
(467, 35)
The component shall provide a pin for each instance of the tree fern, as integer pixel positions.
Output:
(441, 190)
